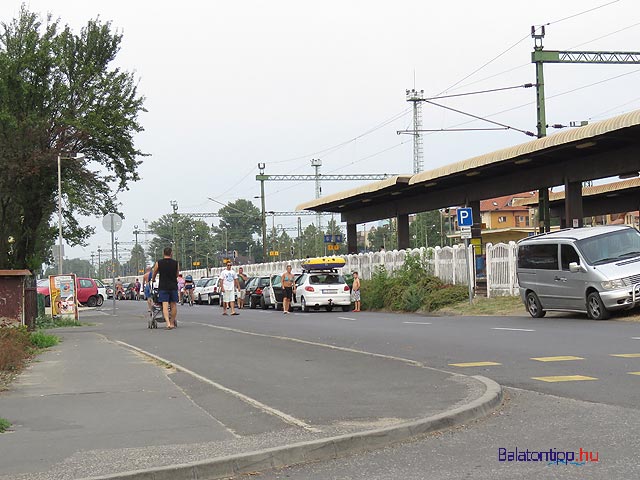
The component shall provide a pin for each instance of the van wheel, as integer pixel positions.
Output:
(534, 307)
(595, 307)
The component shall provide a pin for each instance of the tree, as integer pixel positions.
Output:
(383, 236)
(82, 268)
(59, 95)
(138, 261)
(424, 230)
(241, 220)
(191, 240)
(312, 245)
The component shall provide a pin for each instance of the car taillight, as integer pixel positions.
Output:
(309, 289)
(346, 288)
(258, 291)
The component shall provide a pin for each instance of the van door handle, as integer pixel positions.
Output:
(560, 279)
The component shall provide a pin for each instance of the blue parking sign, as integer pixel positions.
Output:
(337, 238)
(327, 238)
(465, 217)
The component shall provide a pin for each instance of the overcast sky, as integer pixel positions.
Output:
(230, 84)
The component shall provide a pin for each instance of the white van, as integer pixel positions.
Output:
(594, 270)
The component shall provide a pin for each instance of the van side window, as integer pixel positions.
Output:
(540, 256)
(568, 254)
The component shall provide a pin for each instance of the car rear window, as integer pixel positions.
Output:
(326, 279)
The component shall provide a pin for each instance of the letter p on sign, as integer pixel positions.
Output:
(465, 217)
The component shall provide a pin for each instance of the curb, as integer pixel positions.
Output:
(322, 449)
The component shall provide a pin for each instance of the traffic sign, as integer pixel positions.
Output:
(274, 253)
(196, 264)
(333, 247)
(465, 217)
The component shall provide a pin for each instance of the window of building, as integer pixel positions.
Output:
(502, 219)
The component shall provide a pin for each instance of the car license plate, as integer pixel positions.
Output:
(329, 291)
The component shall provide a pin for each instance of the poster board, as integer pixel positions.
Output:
(63, 293)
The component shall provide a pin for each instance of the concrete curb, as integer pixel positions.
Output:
(321, 449)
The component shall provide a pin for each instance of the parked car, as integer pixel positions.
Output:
(255, 289)
(86, 291)
(210, 291)
(317, 289)
(594, 270)
(269, 292)
(102, 292)
(198, 291)
(130, 291)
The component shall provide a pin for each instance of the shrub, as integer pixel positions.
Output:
(373, 291)
(445, 296)
(412, 298)
(46, 321)
(4, 425)
(41, 339)
(14, 346)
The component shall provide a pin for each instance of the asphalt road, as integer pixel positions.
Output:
(601, 359)
(575, 381)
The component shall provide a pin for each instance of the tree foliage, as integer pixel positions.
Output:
(59, 96)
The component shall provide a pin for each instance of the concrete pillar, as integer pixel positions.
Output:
(352, 238)
(403, 231)
(573, 204)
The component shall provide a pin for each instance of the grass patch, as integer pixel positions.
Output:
(46, 322)
(41, 339)
(506, 305)
(4, 425)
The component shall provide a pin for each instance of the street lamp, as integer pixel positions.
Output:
(79, 156)
(195, 250)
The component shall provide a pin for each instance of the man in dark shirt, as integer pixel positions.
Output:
(167, 267)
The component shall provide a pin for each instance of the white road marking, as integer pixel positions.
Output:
(347, 318)
(635, 338)
(513, 329)
(418, 323)
(255, 403)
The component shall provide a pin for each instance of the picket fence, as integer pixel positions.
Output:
(447, 263)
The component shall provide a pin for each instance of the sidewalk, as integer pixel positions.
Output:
(90, 407)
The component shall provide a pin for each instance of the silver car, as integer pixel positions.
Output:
(594, 270)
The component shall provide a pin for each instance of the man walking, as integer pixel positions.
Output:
(242, 282)
(167, 267)
(227, 283)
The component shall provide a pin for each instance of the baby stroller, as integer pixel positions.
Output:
(156, 316)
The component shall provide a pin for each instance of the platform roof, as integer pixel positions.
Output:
(602, 149)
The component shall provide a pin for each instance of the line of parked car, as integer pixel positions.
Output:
(89, 291)
(314, 290)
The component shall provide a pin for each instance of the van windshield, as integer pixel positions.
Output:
(610, 247)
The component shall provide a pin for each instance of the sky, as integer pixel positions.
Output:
(231, 84)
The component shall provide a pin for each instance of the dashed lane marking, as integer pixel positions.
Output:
(513, 329)
(474, 364)
(564, 378)
(565, 358)
(347, 318)
(417, 323)
(626, 355)
(633, 373)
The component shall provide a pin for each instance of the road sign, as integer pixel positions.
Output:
(196, 264)
(465, 233)
(328, 238)
(465, 217)
(333, 247)
(274, 253)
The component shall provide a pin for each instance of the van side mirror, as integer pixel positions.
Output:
(575, 267)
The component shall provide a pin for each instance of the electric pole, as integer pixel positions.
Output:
(417, 97)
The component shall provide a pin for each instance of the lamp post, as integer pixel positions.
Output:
(60, 157)
(195, 249)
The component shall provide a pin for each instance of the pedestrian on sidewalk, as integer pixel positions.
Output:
(242, 282)
(148, 288)
(287, 287)
(355, 292)
(167, 267)
(228, 283)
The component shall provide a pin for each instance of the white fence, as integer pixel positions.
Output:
(501, 269)
(447, 263)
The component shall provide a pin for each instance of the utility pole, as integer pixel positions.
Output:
(539, 56)
(92, 257)
(417, 97)
(317, 163)
(262, 178)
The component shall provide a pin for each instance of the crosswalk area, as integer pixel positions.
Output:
(577, 363)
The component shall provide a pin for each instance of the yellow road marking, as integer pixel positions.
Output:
(626, 355)
(633, 373)
(564, 378)
(557, 359)
(474, 364)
